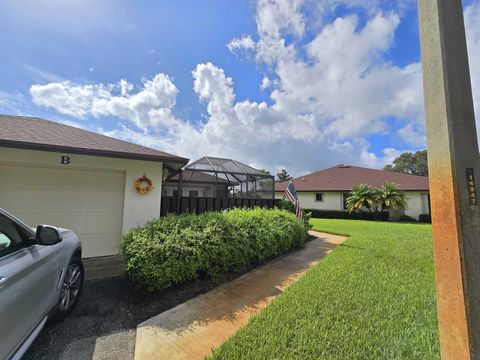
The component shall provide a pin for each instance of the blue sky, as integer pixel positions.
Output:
(300, 84)
(138, 40)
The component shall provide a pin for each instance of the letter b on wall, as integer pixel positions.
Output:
(65, 160)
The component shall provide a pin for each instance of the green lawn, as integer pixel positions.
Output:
(371, 298)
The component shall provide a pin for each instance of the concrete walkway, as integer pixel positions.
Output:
(191, 330)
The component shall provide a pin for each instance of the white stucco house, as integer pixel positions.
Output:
(328, 189)
(56, 174)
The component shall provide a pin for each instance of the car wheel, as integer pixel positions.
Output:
(71, 288)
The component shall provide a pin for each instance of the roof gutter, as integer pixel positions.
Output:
(174, 162)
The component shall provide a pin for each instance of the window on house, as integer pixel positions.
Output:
(193, 193)
(345, 197)
(175, 193)
(319, 197)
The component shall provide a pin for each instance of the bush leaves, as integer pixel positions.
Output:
(175, 249)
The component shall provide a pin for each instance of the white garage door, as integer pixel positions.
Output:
(87, 201)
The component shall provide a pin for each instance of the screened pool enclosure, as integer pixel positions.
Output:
(213, 183)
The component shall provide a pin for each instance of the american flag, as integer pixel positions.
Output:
(291, 194)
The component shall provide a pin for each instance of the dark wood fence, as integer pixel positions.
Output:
(197, 205)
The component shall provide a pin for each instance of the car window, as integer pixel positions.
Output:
(4, 241)
(11, 237)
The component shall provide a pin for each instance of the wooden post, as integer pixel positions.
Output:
(454, 166)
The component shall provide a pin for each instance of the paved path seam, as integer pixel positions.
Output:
(193, 329)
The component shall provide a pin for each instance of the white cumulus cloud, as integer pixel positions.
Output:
(242, 43)
(151, 106)
(328, 92)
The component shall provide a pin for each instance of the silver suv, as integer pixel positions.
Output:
(41, 278)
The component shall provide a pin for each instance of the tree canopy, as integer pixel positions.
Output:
(283, 175)
(410, 163)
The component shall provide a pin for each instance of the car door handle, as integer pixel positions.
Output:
(2, 281)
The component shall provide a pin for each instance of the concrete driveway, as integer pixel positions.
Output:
(103, 325)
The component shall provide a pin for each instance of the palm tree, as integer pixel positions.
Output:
(390, 197)
(361, 196)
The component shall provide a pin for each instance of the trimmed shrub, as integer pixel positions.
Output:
(284, 204)
(406, 218)
(287, 205)
(334, 214)
(425, 218)
(174, 249)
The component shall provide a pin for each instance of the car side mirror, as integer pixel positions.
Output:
(47, 235)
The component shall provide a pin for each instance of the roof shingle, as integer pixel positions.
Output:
(345, 177)
(39, 134)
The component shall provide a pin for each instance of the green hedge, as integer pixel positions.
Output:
(334, 214)
(175, 249)
(406, 218)
(426, 218)
(288, 206)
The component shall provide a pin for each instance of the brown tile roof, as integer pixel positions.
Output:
(345, 177)
(39, 134)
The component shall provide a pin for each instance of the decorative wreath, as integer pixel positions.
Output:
(143, 184)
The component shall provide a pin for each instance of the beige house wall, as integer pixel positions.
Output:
(417, 202)
(204, 190)
(137, 208)
(331, 200)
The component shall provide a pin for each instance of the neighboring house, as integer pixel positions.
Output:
(197, 184)
(52, 173)
(328, 189)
